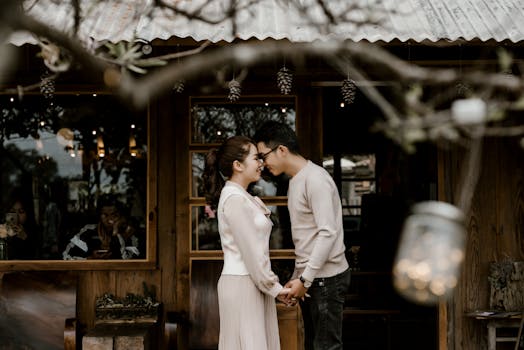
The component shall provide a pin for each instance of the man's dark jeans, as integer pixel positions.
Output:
(323, 312)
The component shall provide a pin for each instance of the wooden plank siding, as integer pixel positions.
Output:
(494, 233)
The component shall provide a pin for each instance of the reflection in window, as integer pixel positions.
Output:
(357, 178)
(59, 157)
(205, 236)
(265, 187)
(204, 232)
(213, 123)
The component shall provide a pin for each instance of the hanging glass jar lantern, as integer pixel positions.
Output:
(431, 249)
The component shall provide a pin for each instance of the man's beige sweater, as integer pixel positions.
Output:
(316, 223)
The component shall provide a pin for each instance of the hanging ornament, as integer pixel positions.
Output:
(133, 150)
(284, 80)
(180, 83)
(100, 148)
(179, 86)
(349, 88)
(234, 90)
(468, 111)
(463, 89)
(47, 85)
(430, 253)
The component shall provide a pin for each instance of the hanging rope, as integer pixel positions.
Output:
(470, 171)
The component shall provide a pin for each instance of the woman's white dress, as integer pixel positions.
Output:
(247, 286)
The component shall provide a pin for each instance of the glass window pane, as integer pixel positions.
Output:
(59, 158)
(281, 233)
(214, 122)
(354, 166)
(265, 187)
(355, 177)
(351, 195)
(204, 228)
(198, 161)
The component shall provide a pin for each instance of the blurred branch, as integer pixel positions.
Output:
(406, 122)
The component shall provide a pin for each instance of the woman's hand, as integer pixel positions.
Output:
(285, 298)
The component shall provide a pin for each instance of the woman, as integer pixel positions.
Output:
(247, 287)
(20, 229)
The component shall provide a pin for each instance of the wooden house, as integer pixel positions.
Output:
(181, 257)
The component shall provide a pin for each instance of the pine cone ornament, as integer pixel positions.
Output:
(179, 86)
(284, 80)
(234, 90)
(463, 89)
(349, 89)
(47, 85)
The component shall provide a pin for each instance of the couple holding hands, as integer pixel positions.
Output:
(247, 287)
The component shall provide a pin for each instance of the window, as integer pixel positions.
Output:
(355, 177)
(61, 158)
(212, 121)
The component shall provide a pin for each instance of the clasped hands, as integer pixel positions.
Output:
(293, 291)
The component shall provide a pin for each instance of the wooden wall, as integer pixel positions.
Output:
(495, 232)
(95, 283)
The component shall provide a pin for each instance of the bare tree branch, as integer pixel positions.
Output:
(353, 58)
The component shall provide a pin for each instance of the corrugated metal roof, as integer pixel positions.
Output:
(417, 20)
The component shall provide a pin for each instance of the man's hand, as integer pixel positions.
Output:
(296, 291)
(101, 254)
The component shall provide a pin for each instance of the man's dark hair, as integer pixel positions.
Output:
(274, 133)
(109, 200)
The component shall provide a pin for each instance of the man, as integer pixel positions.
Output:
(315, 211)
(112, 238)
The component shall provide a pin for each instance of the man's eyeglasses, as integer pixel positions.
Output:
(263, 156)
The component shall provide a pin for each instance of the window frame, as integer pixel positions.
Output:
(197, 147)
(150, 260)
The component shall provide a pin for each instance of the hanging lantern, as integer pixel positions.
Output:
(65, 136)
(430, 252)
(133, 151)
(71, 151)
(469, 111)
(100, 147)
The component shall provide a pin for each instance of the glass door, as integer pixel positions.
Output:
(212, 120)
